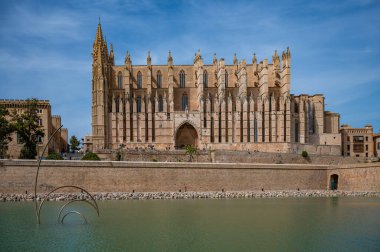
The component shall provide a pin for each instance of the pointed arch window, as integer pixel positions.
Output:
(296, 131)
(205, 79)
(159, 79)
(226, 78)
(160, 104)
(139, 104)
(117, 103)
(119, 80)
(139, 80)
(296, 107)
(182, 79)
(311, 117)
(184, 102)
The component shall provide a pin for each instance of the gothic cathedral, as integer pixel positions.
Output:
(218, 106)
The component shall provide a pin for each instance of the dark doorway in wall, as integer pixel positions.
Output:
(186, 135)
(334, 182)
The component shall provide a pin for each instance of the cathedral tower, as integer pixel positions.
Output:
(101, 79)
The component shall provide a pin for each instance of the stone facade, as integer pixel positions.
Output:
(48, 122)
(360, 142)
(376, 141)
(217, 106)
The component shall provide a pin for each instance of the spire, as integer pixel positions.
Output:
(170, 59)
(254, 60)
(276, 59)
(215, 60)
(197, 56)
(99, 35)
(288, 52)
(149, 60)
(112, 57)
(235, 59)
(128, 61)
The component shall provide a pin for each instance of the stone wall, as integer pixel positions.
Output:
(358, 177)
(226, 156)
(17, 176)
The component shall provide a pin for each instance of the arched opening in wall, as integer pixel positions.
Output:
(334, 182)
(186, 135)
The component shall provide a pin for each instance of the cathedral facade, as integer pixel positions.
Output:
(238, 106)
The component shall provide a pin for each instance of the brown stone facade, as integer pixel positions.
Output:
(360, 142)
(241, 106)
(48, 122)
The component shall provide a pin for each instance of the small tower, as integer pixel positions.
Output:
(285, 73)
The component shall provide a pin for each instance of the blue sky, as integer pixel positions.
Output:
(45, 47)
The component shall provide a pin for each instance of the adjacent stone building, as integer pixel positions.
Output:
(47, 121)
(360, 142)
(238, 106)
(376, 141)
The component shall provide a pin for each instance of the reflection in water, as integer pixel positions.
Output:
(313, 224)
(334, 201)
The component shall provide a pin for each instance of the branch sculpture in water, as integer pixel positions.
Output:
(39, 207)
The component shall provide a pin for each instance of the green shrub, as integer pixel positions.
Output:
(304, 154)
(91, 156)
(54, 156)
(118, 156)
(154, 160)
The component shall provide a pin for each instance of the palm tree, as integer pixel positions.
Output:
(191, 151)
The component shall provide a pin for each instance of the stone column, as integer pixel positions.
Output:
(266, 115)
(259, 118)
(273, 118)
(245, 120)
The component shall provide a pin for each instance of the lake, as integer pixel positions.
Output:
(286, 224)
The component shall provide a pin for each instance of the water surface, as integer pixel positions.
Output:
(309, 224)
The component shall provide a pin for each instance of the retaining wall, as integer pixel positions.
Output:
(17, 176)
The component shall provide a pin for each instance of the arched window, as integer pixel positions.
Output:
(159, 79)
(226, 78)
(205, 79)
(117, 102)
(119, 80)
(139, 80)
(311, 117)
(295, 107)
(182, 79)
(139, 104)
(160, 104)
(296, 131)
(184, 103)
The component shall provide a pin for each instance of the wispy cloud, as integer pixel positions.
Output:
(45, 47)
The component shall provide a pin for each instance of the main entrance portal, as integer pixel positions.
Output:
(186, 135)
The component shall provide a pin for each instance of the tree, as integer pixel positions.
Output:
(6, 129)
(191, 151)
(74, 143)
(91, 156)
(28, 130)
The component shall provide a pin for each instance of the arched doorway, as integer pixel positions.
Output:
(186, 135)
(334, 182)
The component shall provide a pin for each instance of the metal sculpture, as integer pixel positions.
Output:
(39, 207)
(74, 212)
